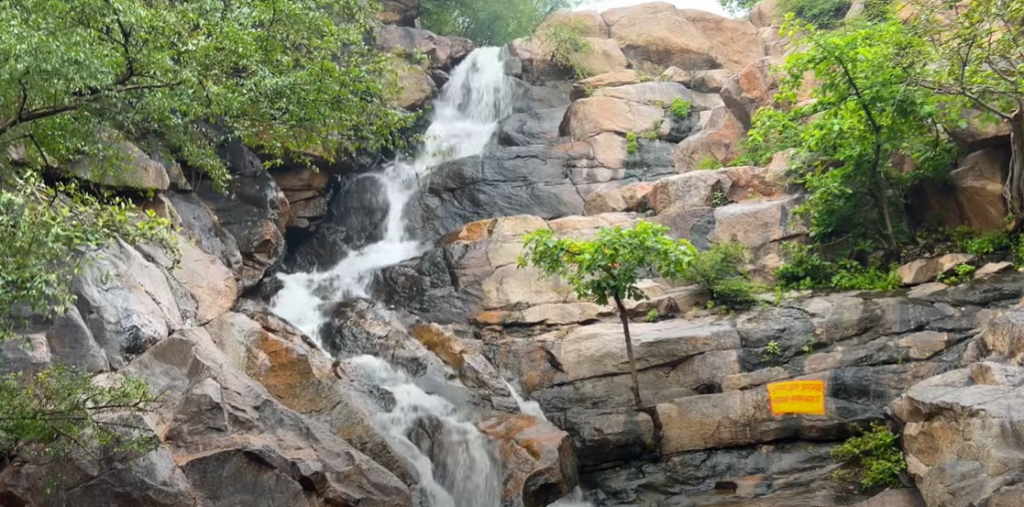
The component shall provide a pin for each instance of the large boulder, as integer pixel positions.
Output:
(133, 170)
(538, 459)
(717, 141)
(442, 52)
(400, 12)
(536, 54)
(959, 435)
(978, 188)
(129, 303)
(978, 132)
(415, 86)
(659, 35)
(225, 440)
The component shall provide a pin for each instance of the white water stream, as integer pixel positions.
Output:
(451, 458)
(465, 116)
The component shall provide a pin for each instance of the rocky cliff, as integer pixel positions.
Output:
(255, 411)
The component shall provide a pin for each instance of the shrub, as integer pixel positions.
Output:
(632, 144)
(720, 270)
(808, 270)
(708, 163)
(961, 274)
(567, 45)
(821, 13)
(873, 458)
(967, 240)
(680, 108)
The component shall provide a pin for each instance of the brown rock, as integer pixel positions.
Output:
(590, 22)
(603, 57)
(894, 498)
(719, 420)
(978, 188)
(416, 86)
(735, 43)
(599, 114)
(979, 133)
(538, 459)
(399, 12)
(718, 139)
(604, 201)
(690, 190)
(765, 14)
(470, 233)
(757, 224)
(656, 33)
(211, 283)
(443, 344)
(139, 172)
(583, 88)
(609, 150)
(993, 268)
(750, 89)
(925, 270)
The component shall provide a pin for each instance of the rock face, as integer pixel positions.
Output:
(140, 173)
(253, 210)
(978, 186)
(538, 457)
(947, 417)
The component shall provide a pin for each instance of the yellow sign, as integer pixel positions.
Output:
(797, 397)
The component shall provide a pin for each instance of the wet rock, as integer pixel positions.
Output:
(509, 181)
(252, 210)
(537, 127)
(538, 459)
(356, 217)
(303, 379)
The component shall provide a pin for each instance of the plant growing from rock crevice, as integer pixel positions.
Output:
(873, 459)
(609, 267)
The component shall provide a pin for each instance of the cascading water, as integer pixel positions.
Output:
(451, 458)
(466, 114)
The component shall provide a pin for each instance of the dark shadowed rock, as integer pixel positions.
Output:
(253, 210)
(356, 217)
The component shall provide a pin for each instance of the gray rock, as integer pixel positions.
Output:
(71, 343)
(128, 303)
(201, 225)
(24, 354)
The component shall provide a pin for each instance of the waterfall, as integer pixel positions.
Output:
(465, 116)
(451, 458)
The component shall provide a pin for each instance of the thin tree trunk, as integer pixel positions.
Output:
(629, 353)
(1014, 189)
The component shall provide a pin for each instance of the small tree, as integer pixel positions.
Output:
(609, 267)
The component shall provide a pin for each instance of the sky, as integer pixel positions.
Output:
(603, 5)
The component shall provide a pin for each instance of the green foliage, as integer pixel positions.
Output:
(610, 265)
(865, 115)
(967, 240)
(63, 409)
(737, 7)
(651, 135)
(286, 76)
(961, 273)
(808, 270)
(680, 108)
(652, 316)
(568, 43)
(809, 344)
(771, 352)
(719, 198)
(720, 270)
(632, 144)
(708, 163)
(487, 22)
(821, 13)
(45, 230)
(873, 458)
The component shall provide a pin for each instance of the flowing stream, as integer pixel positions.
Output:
(465, 116)
(452, 459)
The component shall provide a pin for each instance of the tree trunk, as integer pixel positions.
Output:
(1014, 189)
(629, 353)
